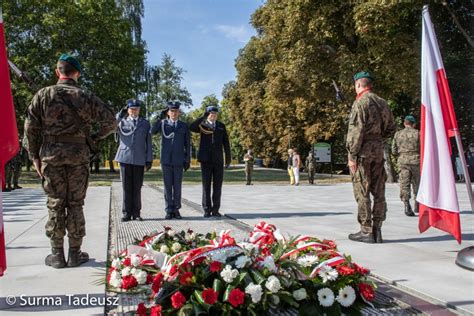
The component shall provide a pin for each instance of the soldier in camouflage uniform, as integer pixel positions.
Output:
(370, 124)
(58, 130)
(406, 145)
(14, 172)
(8, 175)
(310, 165)
(249, 160)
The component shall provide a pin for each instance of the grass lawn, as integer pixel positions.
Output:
(193, 176)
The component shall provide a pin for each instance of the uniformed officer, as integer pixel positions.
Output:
(406, 145)
(13, 176)
(58, 130)
(214, 142)
(8, 173)
(134, 154)
(310, 165)
(249, 161)
(370, 124)
(175, 155)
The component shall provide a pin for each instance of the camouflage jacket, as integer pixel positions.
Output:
(310, 163)
(248, 160)
(50, 114)
(406, 145)
(370, 123)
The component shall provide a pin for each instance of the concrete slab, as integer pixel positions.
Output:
(41, 289)
(421, 263)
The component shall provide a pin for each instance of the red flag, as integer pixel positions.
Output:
(437, 195)
(8, 131)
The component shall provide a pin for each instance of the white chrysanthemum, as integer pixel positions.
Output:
(219, 257)
(140, 276)
(328, 274)
(115, 281)
(307, 261)
(164, 249)
(176, 247)
(273, 284)
(126, 271)
(190, 237)
(116, 263)
(346, 296)
(247, 246)
(300, 294)
(115, 275)
(269, 263)
(171, 233)
(326, 297)
(135, 260)
(229, 274)
(242, 261)
(255, 291)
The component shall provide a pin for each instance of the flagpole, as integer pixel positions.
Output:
(467, 179)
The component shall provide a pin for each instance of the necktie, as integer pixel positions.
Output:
(135, 122)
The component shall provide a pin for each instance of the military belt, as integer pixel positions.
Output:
(64, 139)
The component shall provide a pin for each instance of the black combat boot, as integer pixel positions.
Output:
(17, 187)
(216, 213)
(56, 258)
(362, 237)
(177, 215)
(207, 213)
(408, 210)
(77, 257)
(377, 231)
(416, 207)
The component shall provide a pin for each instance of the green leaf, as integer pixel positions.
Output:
(227, 292)
(186, 310)
(257, 276)
(217, 286)
(241, 277)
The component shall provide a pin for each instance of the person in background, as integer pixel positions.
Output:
(296, 164)
(249, 161)
(310, 166)
(290, 166)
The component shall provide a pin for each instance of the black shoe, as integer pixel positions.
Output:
(6, 190)
(408, 210)
(77, 257)
(56, 258)
(169, 216)
(138, 218)
(416, 207)
(216, 214)
(177, 215)
(362, 237)
(126, 218)
(17, 187)
(207, 214)
(377, 235)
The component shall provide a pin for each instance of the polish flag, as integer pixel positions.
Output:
(8, 132)
(437, 195)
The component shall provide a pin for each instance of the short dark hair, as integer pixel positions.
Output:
(66, 68)
(365, 82)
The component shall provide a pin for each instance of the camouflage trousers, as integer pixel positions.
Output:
(409, 176)
(248, 174)
(66, 188)
(311, 172)
(13, 174)
(369, 179)
(8, 174)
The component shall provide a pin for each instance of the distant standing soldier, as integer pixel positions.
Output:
(213, 146)
(15, 171)
(406, 145)
(310, 166)
(58, 129)
(8, 172)
(370, 124)
(134, 155)
(249, 161)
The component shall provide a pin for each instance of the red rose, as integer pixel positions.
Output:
(157, 282)
(178, 300)
(345, 270)
(127, 262)
(236, 297)
(141, 310)
(330, 243)
(360, 269)
(155, 310)
(199, 260)
(128, 282)
(186, 278)
(149, 279)
(367, 291)
(209, 296)
(216, 266)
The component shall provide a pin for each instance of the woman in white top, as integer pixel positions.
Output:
(296, 166)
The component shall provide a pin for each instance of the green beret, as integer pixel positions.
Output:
(410, 118)
(363, 74)
(73, 61)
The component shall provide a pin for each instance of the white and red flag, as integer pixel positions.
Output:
(437, 195)
(8, 132)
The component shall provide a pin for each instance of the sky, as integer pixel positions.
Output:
(203, 36)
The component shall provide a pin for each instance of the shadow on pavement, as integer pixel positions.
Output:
(282, 215)
(424, 239)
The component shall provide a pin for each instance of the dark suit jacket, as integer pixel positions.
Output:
(211, 146)
(176, 151)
